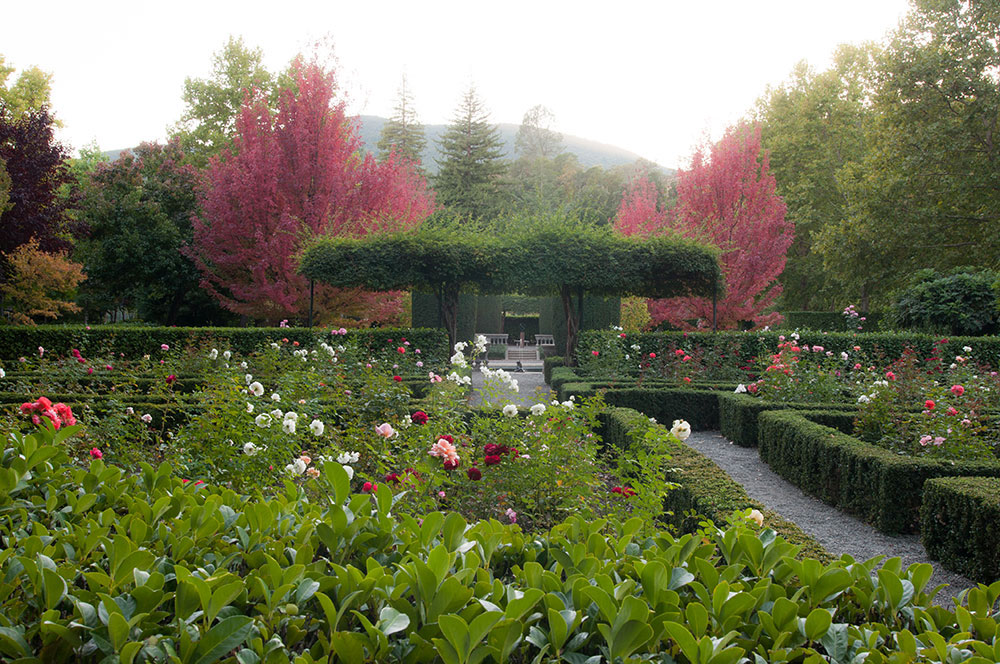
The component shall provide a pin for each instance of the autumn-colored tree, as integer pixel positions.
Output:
(294, 174)
(727, 198)
(40, 284)
(639, 212)
(35, 166)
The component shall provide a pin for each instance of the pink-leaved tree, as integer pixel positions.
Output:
(292, 175)
(726, 198)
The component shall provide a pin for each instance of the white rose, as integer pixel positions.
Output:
(292, 415)
(226, 355)
(263, 420)
(275, 397)
(567, 404)
(256, 389)
(510, 410)
(538, 409)
(147, 418)
(681, 429)
(277, 414)
(249, 449)
(740, 389)
(214, 353)
(350, 472)
(3, 374)
(249, 407)
(288, 426)
(243, 365)
(316, 427)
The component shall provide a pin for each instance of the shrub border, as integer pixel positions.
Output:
(958, 525)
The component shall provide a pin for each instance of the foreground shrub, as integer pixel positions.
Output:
(100, 565)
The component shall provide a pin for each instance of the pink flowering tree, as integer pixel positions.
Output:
(726, 198)
(294, 175)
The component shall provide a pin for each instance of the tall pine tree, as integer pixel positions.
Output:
(402, 133)
(471, 171)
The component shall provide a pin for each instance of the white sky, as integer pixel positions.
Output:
(651, 77)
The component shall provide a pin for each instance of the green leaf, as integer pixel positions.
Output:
(222, 638)
(55, 588)
(117, 631)
(337, 477)
(391, 621)
(817, 623)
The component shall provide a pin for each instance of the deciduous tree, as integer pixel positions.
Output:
(35, 165)
(40, 284)
(294, 174)
(727, 198)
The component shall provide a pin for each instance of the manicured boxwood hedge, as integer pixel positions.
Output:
(550, 363)
(881, 487)
(135, 342)
(699, 407)
(738, 414)
(960, 525)
(704, 490)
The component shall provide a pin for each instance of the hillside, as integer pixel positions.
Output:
(590, 153)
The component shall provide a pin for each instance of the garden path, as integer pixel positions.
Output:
(838, 532)
(531, 389)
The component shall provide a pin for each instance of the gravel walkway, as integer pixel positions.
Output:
(837, 532)
(531, 389)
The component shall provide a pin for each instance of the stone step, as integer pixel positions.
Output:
(522, 354)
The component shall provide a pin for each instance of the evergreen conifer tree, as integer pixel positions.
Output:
(402, 132)
(472, 165)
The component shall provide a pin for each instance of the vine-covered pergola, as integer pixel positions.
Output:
(547, 259)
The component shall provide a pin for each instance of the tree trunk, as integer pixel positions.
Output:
(571, 325)
(448, 313)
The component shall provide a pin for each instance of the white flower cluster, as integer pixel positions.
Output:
(458, 359)
(213, 354)
(302, 354)
(329, 350)
(481, 344)
(499, 378)
(461, 380)
(740, 389)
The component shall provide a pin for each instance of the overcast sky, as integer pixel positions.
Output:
(650, 77)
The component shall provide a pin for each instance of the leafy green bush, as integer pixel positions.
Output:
(958, 525)
(830, 321)
(100, 565)
(964, 302)
(699, 407)
(881, 487)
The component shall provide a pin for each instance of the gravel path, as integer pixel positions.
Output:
(531, 389)
(837, 532)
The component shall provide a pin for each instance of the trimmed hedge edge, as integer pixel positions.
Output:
(705, 490)
(959, 520)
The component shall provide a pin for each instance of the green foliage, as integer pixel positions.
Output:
(739, 413)
(958, 520)
(699, 407)
(703, 490)
(877, 485)
(963, 302)
(549, 364)
(830, 321)
(29, 93)
(402, 134)
(514, 325)
(135, 342)
(211, 105)
(468, 181)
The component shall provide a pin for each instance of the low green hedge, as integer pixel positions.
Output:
(559, 375)
(550, 363)
(830, 321)
(883, 488)
(16, 342)
(960, 525)
(704, 490)
(699, 407)
(738, 414)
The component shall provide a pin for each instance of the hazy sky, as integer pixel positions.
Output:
(650, 77)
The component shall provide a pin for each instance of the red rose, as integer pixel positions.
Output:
(929, 405)
(492, 460)
(398, 379)
(450, 464)
(652, 356)
(446, 437)
(474, 474)
(392, 478)
(400, 350)
(957, 390)
(419, 417)
(368, 487)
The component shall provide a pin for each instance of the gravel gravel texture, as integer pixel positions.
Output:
(531, 389)
(838, 532)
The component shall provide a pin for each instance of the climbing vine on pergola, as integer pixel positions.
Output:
(566, 260)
